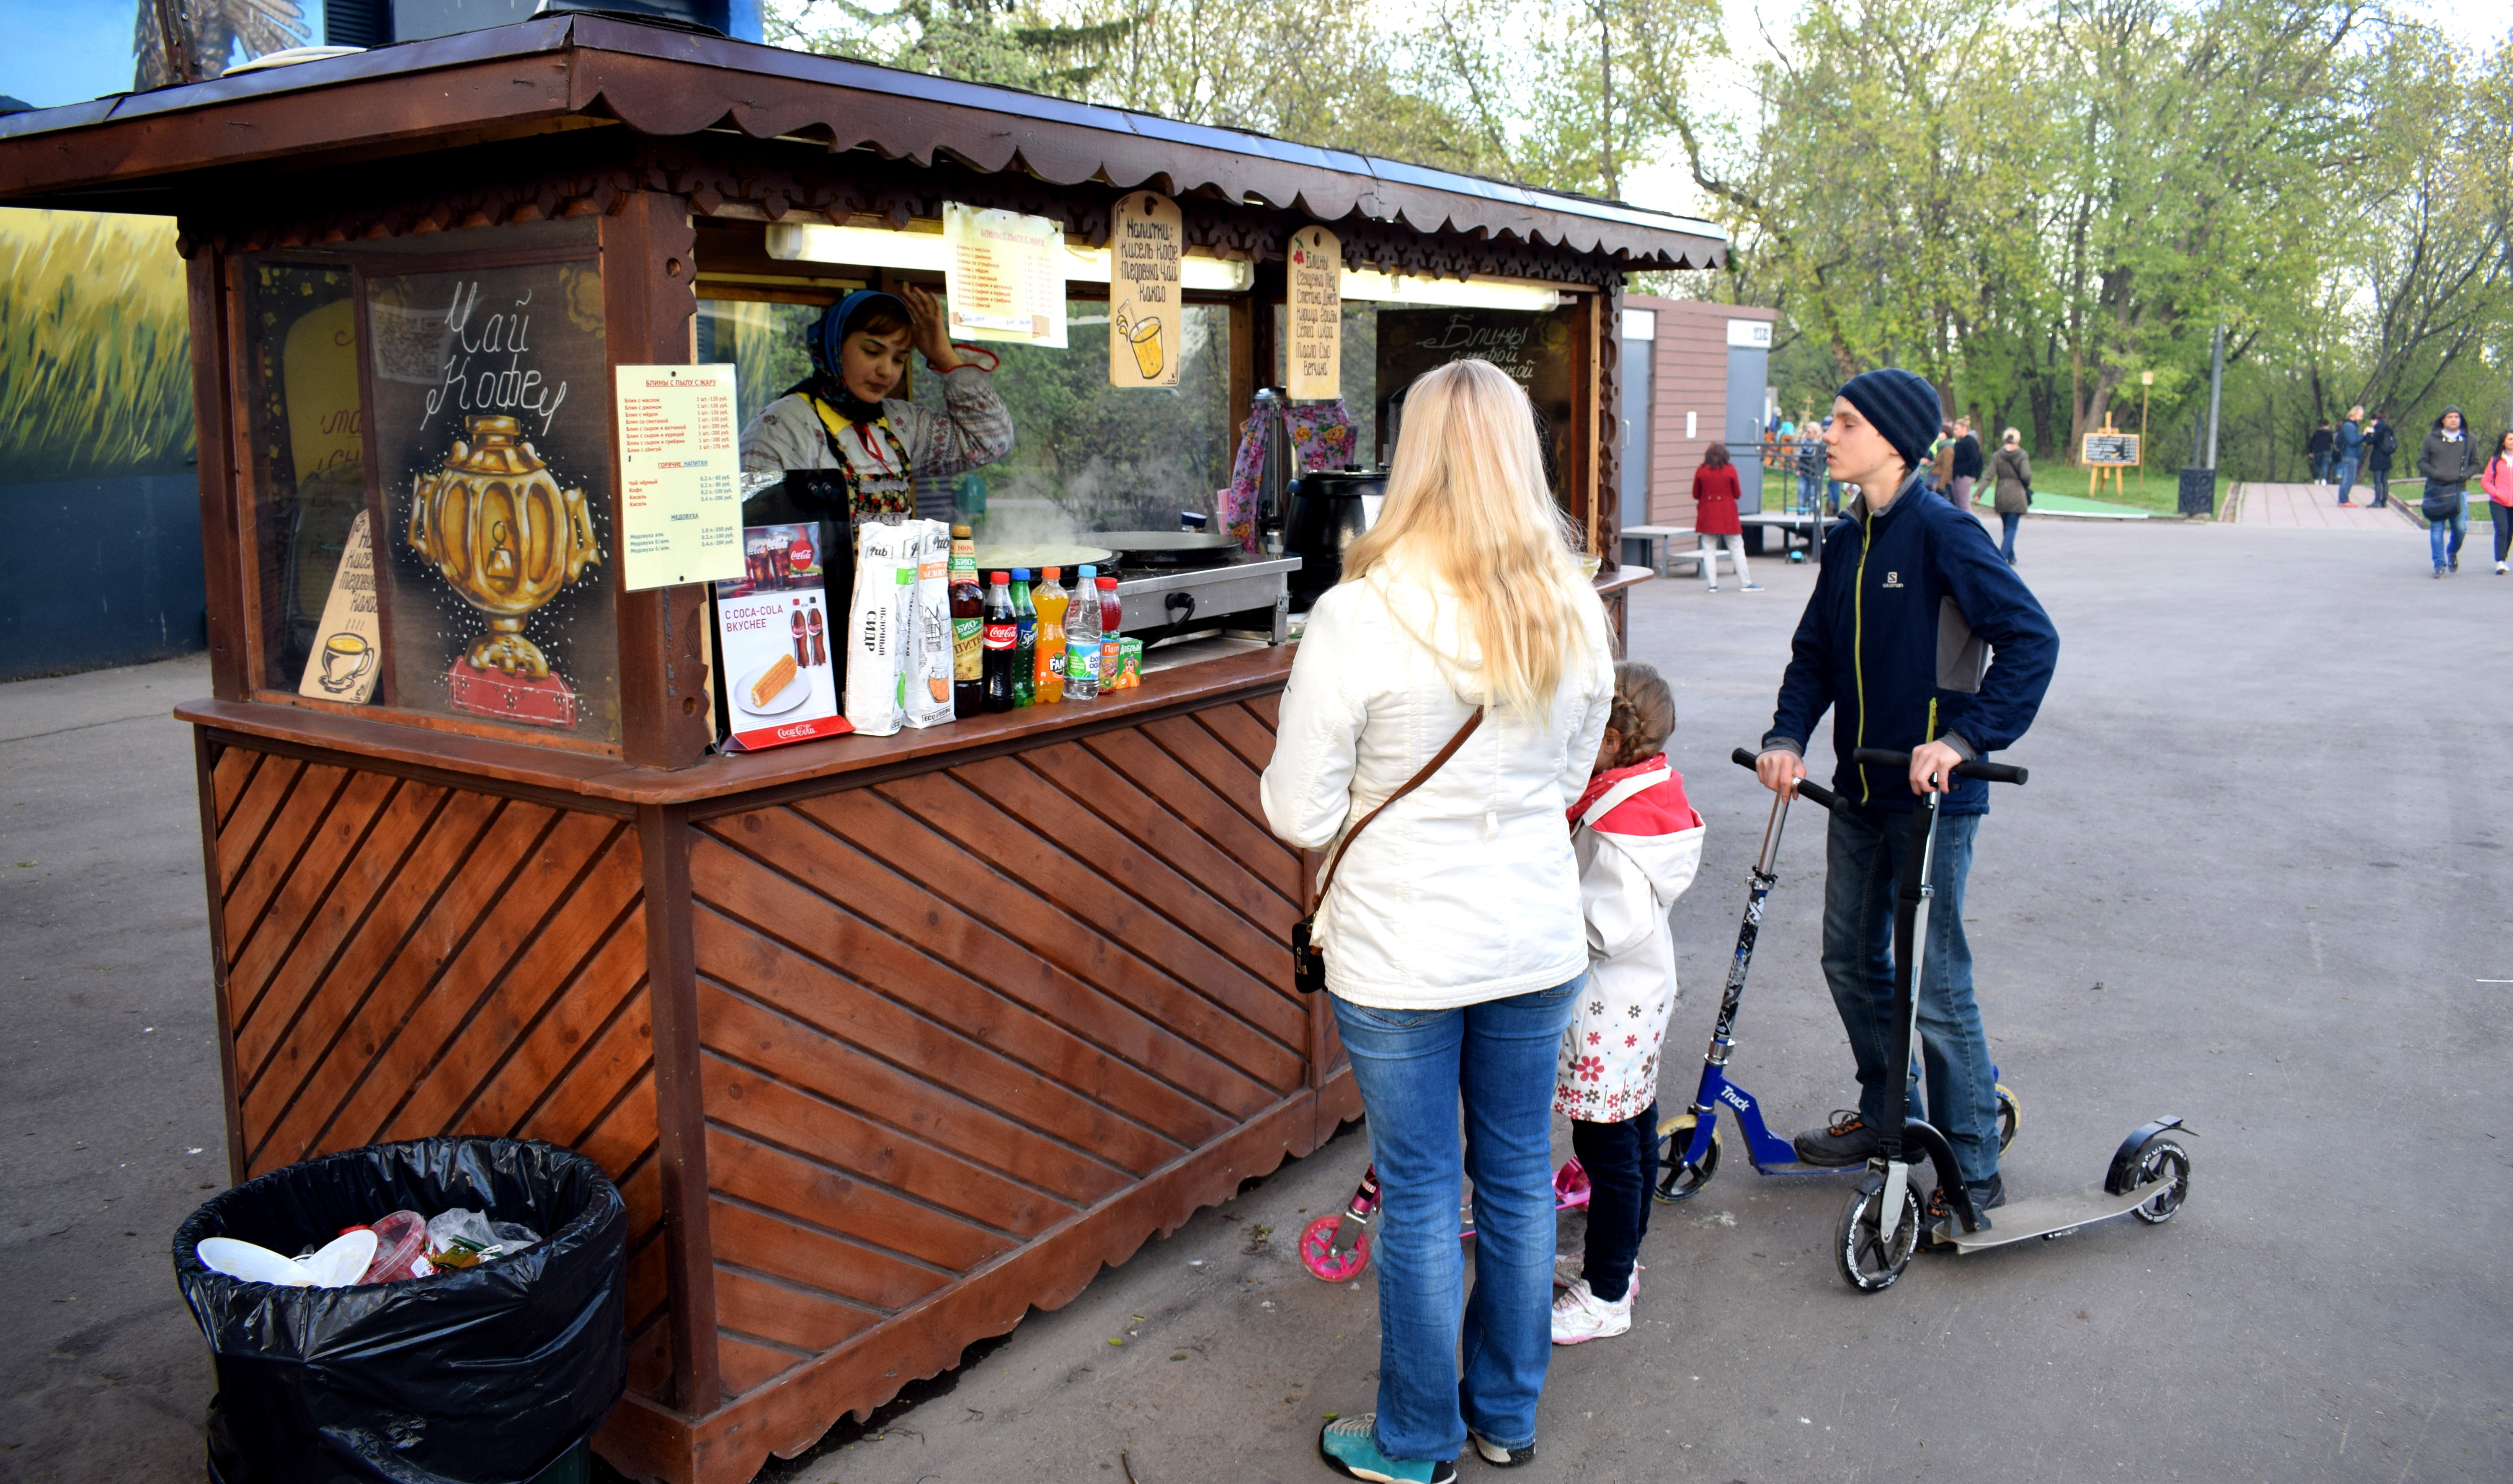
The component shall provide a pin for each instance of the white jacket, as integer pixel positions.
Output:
(1639, 843)
(1465, 890)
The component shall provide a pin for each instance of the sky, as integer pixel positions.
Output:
(70, 50)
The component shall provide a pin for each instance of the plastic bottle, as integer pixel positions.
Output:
(1025, 644)
(1112, 620)
(1001, 639)
(1050, 599)
(1082, 641)
(968, 627)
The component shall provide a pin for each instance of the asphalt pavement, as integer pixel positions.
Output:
(2259, 879)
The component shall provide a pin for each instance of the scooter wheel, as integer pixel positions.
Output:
(1678, 1178)
(1868, 1261)
(2011, 1116)
(1326, 1262)
(2160, 1159)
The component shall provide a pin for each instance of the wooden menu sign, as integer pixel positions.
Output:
(1316, 369)
(1146, 332)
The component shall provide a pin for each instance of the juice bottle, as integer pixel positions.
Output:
(1082, 641)
(1025, 641)
(1112, 618)
(1000, 638)
(968, 628)
(1049, 598)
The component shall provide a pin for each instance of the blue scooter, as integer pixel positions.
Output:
(1688, 1144)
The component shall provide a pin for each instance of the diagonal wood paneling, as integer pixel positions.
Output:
(405, 960)
(949, 1016)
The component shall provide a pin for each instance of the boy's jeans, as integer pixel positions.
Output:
(1862, 868)
(1414, 1067)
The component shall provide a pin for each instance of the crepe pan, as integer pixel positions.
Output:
(1168, 548)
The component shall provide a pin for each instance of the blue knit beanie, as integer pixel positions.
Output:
(1903, 406)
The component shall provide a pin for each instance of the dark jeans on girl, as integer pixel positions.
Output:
(2502, 515)
(1620, 1159)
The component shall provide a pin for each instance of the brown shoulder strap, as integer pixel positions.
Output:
(1411, 784)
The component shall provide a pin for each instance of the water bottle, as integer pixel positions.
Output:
(1082, 642)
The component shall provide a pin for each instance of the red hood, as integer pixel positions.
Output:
(1659, 809)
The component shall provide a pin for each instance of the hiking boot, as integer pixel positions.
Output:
(1579, 1315)
(1501, 1455)
(1846, 1140)
(1351, 1447)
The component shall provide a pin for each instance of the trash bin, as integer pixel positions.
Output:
(496, 1373)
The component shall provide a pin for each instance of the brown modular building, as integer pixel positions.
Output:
(886, 1039)
(1706, 370)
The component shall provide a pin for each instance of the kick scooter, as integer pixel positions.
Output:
(1688, 1150)
(1882, 1225)
(1335, 1249)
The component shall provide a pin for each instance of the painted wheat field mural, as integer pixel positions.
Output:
(95, 355)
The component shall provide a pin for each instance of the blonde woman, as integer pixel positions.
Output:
(1451, 927)
(2013, 475)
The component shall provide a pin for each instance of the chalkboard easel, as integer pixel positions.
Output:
(2107, 452)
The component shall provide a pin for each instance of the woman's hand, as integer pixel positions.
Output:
(931, 334)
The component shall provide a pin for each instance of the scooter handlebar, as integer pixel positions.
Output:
(1988, 772)
(1808, 788)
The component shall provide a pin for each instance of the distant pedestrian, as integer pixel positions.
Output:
(1809, 461)
(2351, 451)
(1714, 515)
(2448, 460)
(2318, 448)
(1831, 486)
(1967, 464)
(2011, 473)
(1941, 459)
(2497, 482)
(2381, 443)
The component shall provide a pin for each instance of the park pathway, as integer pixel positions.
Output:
(2315, 507)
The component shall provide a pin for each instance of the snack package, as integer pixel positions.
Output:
(1130, 663)
(928, 649)
(876, 665)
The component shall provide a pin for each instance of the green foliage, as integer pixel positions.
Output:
(95, 373)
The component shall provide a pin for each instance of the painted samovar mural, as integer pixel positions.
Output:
(505, 537)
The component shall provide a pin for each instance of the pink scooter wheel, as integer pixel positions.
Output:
(1570, 1187)
(1319, 1254)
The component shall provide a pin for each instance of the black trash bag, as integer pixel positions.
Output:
(486, 1375)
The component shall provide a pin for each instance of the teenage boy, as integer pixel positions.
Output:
(1895, 641)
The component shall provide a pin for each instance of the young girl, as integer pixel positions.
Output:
(2497, 480)
(1638, 843)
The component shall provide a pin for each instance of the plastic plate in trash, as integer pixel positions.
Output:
(342, 1261)
(254, 1265)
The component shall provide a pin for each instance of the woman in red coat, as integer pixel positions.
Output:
(1714, 516)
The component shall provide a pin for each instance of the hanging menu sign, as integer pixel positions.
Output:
(1316, 370)
(680, 475)
(1144, 326)
(1005, 277)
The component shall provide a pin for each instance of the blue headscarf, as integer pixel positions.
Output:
(823, 340)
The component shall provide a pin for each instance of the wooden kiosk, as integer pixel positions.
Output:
(875, 1069)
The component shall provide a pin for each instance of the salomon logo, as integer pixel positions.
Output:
(1892, 579)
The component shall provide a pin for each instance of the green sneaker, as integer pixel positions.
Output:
(1351, 1447)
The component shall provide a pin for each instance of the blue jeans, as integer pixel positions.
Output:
(2347, 477)
(2320, 468)
(2008, 520)
(1861, 870)
(1415, 1067)
(2446, 536)
(1805, 491)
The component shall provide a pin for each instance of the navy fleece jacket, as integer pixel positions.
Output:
(1897, 639)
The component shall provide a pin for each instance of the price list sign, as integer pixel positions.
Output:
(680, 475)
(1316, 369)
(1005, 277)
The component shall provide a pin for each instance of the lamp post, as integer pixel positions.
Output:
(2145, 396)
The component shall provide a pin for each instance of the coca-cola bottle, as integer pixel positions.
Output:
(1001, 640)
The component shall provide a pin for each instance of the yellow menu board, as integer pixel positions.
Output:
(1146, 240)
(1316, 370)
(1005, 277)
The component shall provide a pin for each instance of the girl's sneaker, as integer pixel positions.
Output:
(1351, 1447)
(1579, 1315)
(1569, 1267)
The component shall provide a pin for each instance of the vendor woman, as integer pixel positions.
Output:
(843, 416)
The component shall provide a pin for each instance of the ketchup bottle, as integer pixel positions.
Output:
(1002, 641)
